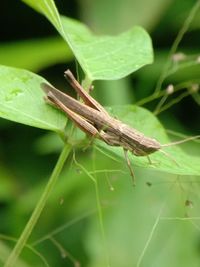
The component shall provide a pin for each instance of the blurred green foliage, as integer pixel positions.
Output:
(143, 226)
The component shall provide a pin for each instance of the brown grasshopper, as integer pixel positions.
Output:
(95, 121)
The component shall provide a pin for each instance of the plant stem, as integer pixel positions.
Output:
(38, 209)
(175, 45)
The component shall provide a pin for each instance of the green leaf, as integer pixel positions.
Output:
(35, 54)
(102, 57)
(177, 162)
(108, 57)
(21, 100)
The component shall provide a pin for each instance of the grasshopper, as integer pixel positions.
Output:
(95, 121)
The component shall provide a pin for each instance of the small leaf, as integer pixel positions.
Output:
(177, 162)
(108, 57)
(101, 57)
(22, 100)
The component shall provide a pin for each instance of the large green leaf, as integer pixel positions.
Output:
(21, 100)
(101, 57)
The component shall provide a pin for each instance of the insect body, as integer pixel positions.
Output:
(93, 119)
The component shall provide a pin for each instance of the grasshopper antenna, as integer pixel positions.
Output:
(176, 143)
(182, 141)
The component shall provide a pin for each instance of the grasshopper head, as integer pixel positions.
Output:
(146, 146)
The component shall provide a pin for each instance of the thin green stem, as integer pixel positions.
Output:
(99, 208)
(62, 227)
(175, 45)
(173, 102)
(30, 247)
(149, 238)
(178, 87)
(38, 209)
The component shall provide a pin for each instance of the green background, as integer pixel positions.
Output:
(143, 225)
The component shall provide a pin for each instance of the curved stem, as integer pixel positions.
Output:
(38, 209)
